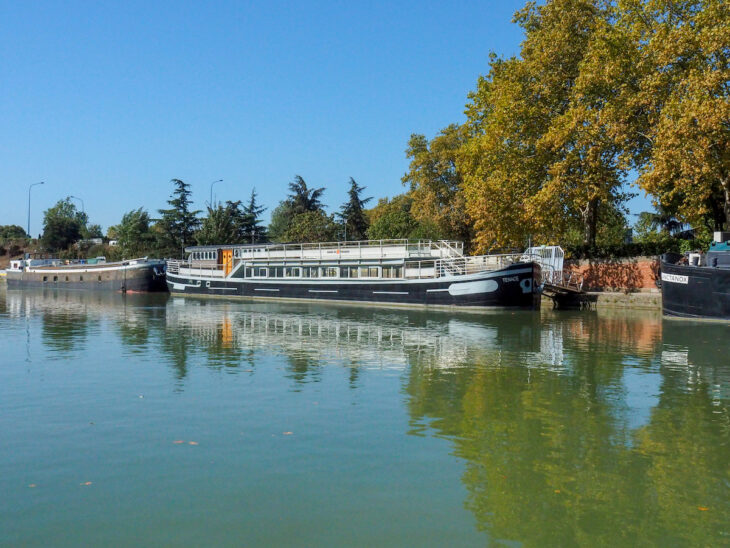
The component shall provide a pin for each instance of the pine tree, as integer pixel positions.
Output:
(254, 232)
(177, 225)
(352, 214)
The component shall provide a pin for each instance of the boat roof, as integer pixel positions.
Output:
(336, 245)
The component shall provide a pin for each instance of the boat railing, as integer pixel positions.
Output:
(187, 268)
(357, 249)
(460, 266)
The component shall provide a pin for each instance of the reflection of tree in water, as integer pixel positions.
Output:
(549, 460)
(64, 333)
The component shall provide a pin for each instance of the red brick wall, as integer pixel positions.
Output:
(635, 274)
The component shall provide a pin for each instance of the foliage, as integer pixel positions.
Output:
(541, 159)
(12, 232)
(280, 219)
(92, 231)
(253, 231)
(436, 184)
(62, 225)
(393, 218)
(223, 225)
(133, 233)
(177, 224)
(302, 198)
(352, 213)
(285, 226)
(312, 226)
(682, 144)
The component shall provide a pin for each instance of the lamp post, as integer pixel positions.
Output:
(83, 209)
(29, 187)
(211, 191)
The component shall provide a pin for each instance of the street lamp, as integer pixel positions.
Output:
(29, 187)
(211, 191)
(83, 209)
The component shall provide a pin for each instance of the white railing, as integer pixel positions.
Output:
(183, 268)
(362, 249)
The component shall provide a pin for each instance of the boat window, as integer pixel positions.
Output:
(368, 272)
(66, 278)
(329, 272)
(277, 272)
(81, 278)
(249, 272)
(291, 272)
(392, 272)
(311, 272)
(351, 272)
(261, 272)
(45, 278)
(99, 277)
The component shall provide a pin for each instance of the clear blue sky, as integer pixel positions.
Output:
(109, 101)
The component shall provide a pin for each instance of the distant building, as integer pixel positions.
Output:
(113, 243)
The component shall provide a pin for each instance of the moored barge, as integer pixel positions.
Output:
(698, 285)
(134, 275)
(372, 271)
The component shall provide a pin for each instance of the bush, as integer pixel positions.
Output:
(633, 249)
(14, 250)
(3, 251)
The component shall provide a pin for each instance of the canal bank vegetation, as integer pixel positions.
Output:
(605, 100)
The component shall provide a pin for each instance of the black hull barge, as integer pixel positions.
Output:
(136, 275)
(697, 286)
(395, 272)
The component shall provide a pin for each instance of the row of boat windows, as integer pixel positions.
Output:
(213, 255)
(68, 278)
(324, 272)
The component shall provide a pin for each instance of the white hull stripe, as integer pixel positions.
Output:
(264, 289)
(350, 281)
(390, 292)
(323, 291)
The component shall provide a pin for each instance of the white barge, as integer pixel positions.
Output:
(373, 271)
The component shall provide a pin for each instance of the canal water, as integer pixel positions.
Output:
(155, 420)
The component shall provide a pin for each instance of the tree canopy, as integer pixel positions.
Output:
(176, 225)
(62, 225)
(352, 213)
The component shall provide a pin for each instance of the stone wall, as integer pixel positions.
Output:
(633, 274)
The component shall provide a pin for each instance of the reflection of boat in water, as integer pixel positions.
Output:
(394, 338)
(134, 275)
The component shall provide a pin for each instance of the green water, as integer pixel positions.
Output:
(343, 426)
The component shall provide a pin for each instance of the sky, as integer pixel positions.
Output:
(108, 101)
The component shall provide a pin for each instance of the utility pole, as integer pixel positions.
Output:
(29, 187)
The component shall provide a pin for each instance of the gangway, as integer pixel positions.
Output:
(564, 287)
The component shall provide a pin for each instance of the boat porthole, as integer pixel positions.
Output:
(207, 284)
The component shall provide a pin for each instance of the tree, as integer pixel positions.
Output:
(254, 232)
(542, 156)
(177, 224)
(223, 225)
(682, 145)
(12, 232)
(312, 226)
(133, 233)
(62, 225)
(281, 218)
(92, 231)
(352, 213)
(393, 219)
(302, 198)
(435, 181)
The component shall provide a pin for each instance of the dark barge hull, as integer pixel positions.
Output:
(147, 278)
(513, 286)
(695, 291)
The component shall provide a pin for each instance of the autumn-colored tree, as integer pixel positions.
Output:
(682, 144)
(435, 182)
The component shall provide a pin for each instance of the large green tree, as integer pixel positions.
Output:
(352, 213)
(133, 233)
(62, 225)
(301, 200)
(178, 223)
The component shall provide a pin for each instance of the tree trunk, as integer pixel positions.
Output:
(590, 223)
(726, 188)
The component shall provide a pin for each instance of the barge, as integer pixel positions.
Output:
(134, 275)
(698, 285)
(401, 272)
